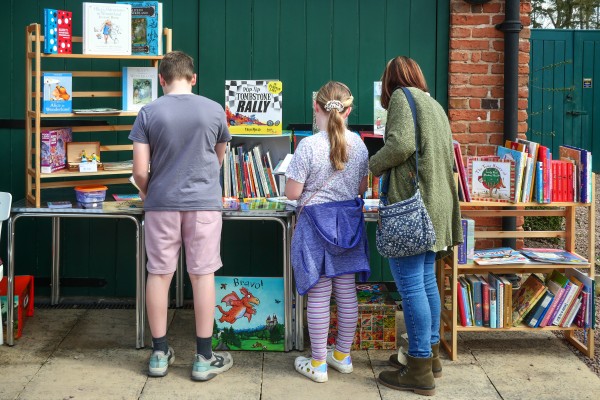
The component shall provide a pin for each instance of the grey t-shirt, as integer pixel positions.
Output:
(182, 131)
(311, 166)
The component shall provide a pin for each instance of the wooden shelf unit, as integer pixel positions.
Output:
(35, 180)
(449, 268)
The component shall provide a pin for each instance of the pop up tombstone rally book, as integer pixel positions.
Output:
(254, 107)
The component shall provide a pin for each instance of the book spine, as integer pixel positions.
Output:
(570, 306)
(554, 307)
(539, 183)
(477, 303)
(570, 293)
(461, 304)
(493, 308)
(485, 300)
(580, 319)
(462, 248)
(568, 320)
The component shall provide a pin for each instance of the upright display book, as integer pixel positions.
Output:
(140, 87)
(499, 256)
(520, 159)
(250, 314)
(254, 107)
(491, 179)
(553, 256)
(58, 32)
(57, 90)
(106, 29)
(527, 297)
(146, 27)
(379, 113)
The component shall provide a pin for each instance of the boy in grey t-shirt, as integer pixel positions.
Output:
(183, 137)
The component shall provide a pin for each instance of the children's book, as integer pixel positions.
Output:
(254, 107)
(146, 27)
(380, 113)
(498, 256)
(57, 31)
(250, 314)
(58, 91)
(54, 149)
(526, 298)
(552, 256)
(462, 173)
(106, 29)
(140, 87)
(534, 316)
(491, 179)
(59, 204)
(589, 287)
(520, 159)
(121, 206)
(125, 197)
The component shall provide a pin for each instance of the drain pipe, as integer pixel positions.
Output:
(511, 27)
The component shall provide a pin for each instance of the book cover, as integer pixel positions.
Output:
(552, 256)
(533, 318)
(379, 113)
(140, 87)
(58, 37)
(254, 107)
(527, 179)
(53, 151)
(589, 286)
(460, 167)
(250, 314)
(545, 157)
(507, 301)
(491, 180)
(59, 204)
(477, 300)
(499, 255)
(470, 238)
(498, 285)
(532, 152)
(460, 302)
(520, 160)
(568, 321)
(146, 27)
(466, 300)
(57, 90)
(585, 173)
(485, 301)
(526, 298)
(125, 197)
(572, 296)
(106, 28)
(557, 290)
(493, 308)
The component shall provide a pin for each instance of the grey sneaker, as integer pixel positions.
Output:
(159, 362)
(204, 370)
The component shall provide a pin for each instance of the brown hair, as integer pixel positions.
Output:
(338, 93)
(176, 65)
(400, 72)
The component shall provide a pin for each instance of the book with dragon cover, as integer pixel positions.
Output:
(491, 179)
(250, 314)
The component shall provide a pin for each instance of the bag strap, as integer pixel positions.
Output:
(315, 193)
(413, 109)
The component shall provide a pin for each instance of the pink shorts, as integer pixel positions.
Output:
(200, 231)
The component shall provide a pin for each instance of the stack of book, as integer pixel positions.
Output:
(525, 171)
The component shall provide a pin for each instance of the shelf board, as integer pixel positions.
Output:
(517, 268)
(31, 54)
(31, 114)
(238, 135)
(461, 328)
(63, 173)
(528, 204)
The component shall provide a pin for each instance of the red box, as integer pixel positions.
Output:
(23, 301)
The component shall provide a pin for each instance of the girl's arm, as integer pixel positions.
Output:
(293, 189)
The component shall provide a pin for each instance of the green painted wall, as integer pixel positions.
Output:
(304, 43)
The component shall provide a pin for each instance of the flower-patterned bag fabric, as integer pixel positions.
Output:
(404, 228)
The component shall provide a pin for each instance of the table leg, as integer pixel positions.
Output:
(140, 289)
(10, 276)
(55, 275)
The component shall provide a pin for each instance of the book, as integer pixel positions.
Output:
(466, 301)
(507, 301)
(526, 298)
(57, 92)
(545, 157)
(146, 27)
(476, 298)
(485, 300)
(552, 256)
(491, 179)
(498, 256)
(584, 166)
(557, 290)
(118, 165)
(527, 180)
(120, 206)
(462, 248)
(53, 155)
(379, 113)
(462, 173)
(58, 31)
(106, 28)
(493, 308)
(572, 296)
(589, 287)
(520, 159)
(125, 197)
(533, 318)
(460, 303)
(97, 110)
(254, 107)
(59, 204)
(495, 282)
(532, 152)
(140, 87)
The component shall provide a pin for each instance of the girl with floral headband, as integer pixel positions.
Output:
(326, 174)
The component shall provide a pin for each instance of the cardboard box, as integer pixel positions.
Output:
(54, 149)
(23, 301)
(75, 150)
(376, 326)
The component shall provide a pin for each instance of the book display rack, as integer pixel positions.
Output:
(449, 270)
(34, 59)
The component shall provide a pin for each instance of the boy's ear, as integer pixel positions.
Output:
(161, 80)
(194, 79)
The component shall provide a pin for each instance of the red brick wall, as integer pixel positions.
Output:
(475, 92)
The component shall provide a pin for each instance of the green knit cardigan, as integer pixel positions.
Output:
(436, 160)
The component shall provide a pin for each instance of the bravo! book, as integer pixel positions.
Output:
(250, 314)
(146, 27)
(57, 31)
(106, 29)
(254, 107)
(491, 179)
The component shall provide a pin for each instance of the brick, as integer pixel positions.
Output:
(523, 104)
(490, 56)
(466, 115)
(526, 20)
(460, 32)
(458, 127)
(475, 57)
(524, 69)
(523, 92)
(492, 8)
(524, 58)
(525, 7)
(498, 45)
(468, 68)
(459, 55)
(468, 44)
(524, 46)
(497, 19)
(459, 79)
(490, 104)
(497, 69)
(460, 7)
(497, 115)
(481, 80)
(457, 103)
(522, 115)
(475, 104)
(488, 32)
(496, 138)
(497, 92)
(469, 19)
(466, 91)
(470, 138)
(486, 127)
(523, 128)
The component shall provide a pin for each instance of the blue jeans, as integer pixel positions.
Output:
(415, 278)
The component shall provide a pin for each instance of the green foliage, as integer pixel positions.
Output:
(565, 14)
(277, 333)
(543, 224)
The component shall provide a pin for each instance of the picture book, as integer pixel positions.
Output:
(54, 149)
(124, 197)
(254, 107)
(589, 287)
(106, 29)
(140, 87)
(491, 179)
(58, 32)
(475, 286)
(380, 113)
(146, 27)
(533, 318)
(250, 314)
(552, 256)
(499, 256)
(520, 160)
(57, 90)
(462, 173)
(526, 298)
(121, 206)
(59, 204)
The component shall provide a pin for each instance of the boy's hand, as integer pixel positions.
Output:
(142, 196)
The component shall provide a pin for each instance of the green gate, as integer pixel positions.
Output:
(564, 82)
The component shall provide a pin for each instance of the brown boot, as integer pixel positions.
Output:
(416, 377)
(436, 364)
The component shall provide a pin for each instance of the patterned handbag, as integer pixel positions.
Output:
(404, 228)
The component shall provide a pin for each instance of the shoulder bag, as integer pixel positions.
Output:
(404, 228)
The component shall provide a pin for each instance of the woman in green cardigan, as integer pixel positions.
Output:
(415, 275)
